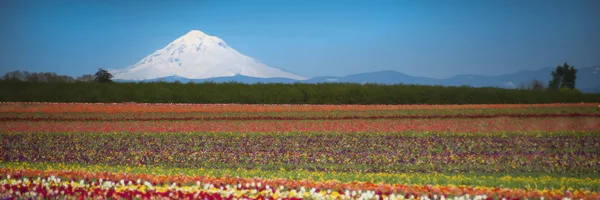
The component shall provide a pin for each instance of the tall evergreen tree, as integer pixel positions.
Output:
(563, 77)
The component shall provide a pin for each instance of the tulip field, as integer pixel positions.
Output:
(285, 151)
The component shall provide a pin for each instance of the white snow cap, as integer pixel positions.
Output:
(197, 55)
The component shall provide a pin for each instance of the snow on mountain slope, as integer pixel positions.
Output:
(198, 56)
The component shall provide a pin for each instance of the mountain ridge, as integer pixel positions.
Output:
(586, 81)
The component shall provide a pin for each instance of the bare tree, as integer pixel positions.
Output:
(86, 78)
(534, 84)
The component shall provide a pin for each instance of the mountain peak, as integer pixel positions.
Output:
(196, 36)
(195, 33)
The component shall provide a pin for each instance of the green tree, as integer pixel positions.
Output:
(563, 77)
(102, 76)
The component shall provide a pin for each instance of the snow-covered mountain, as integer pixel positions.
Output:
(197, 55)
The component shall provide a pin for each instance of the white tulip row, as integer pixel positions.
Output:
(252, 190)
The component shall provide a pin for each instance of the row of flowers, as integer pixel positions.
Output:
(43, 184)
(482, 125)
(55, 188)
(570, 152)
(295, 118)
(304, 114)
(134, 107)
(294, 178)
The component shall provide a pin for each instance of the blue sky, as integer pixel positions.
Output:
(311, 38)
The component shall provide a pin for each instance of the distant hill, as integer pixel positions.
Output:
(592, 89)
(588, 79)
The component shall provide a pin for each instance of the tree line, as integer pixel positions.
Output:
(102, 76)
(298, 93)
(44, 77)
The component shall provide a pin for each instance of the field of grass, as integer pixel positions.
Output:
(226, 151)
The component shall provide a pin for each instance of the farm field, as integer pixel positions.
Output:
(227, 151)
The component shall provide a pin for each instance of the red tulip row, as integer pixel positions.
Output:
(134, 107)
(482, 125)
(289, 118)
